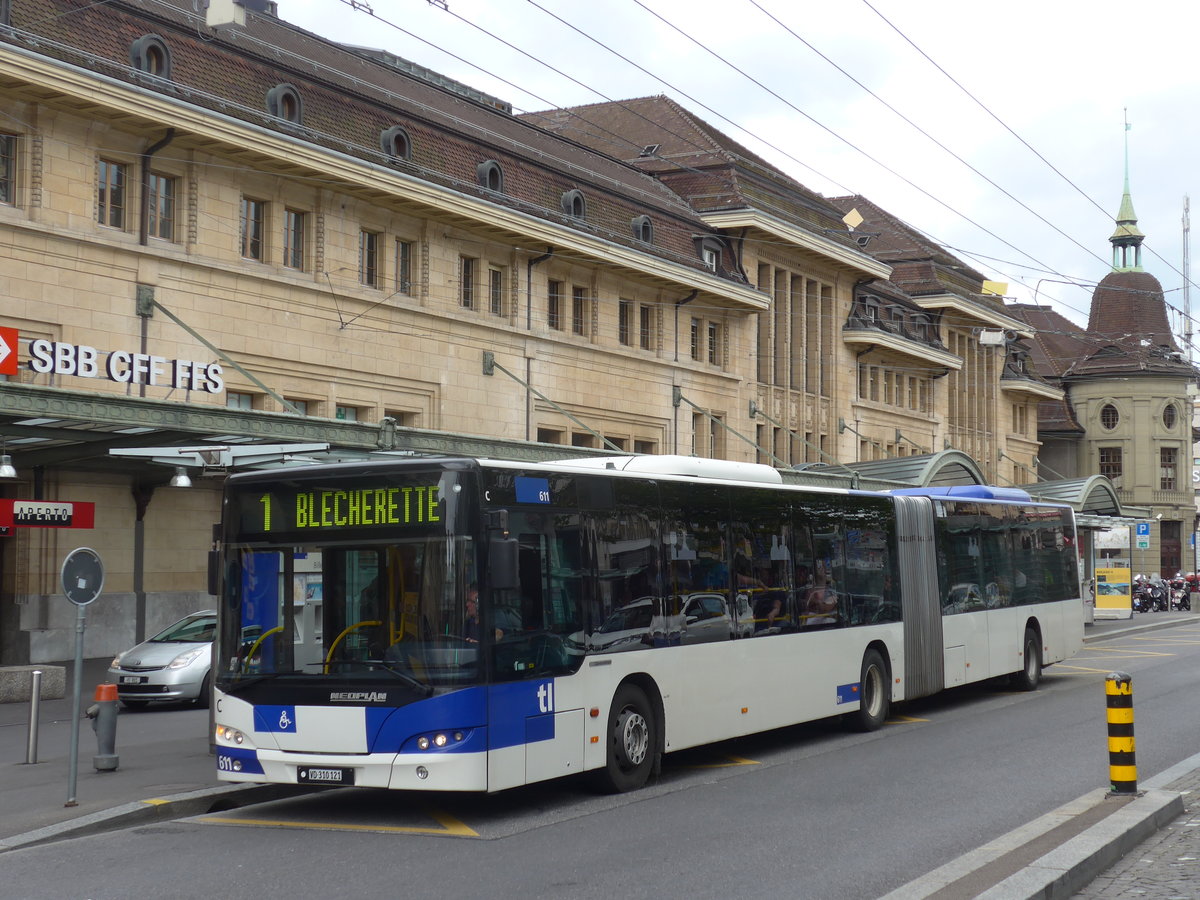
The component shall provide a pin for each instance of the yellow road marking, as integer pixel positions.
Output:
(731, 761)
(899, 720)
(449, 825)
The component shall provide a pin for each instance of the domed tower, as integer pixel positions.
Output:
(1130, 393)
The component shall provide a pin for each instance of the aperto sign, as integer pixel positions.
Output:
(46, 514)
(122, 366)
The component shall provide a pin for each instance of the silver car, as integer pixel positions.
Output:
(171, 666)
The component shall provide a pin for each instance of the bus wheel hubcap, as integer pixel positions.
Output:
(633, 735)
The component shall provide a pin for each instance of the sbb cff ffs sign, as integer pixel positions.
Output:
(46, 514)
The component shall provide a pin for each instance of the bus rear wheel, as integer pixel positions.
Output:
(633, 746)
(1030, 675)
(875, 695)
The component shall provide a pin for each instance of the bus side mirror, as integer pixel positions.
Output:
(502, 563)
(214, 567)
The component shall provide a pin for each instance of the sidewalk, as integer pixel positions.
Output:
(165, 771)
(1096, 847)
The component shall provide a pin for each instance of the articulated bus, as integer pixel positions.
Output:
(474, 625)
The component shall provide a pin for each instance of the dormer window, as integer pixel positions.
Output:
(709, 249)
(490, 175)
(643, 229)
(574, 204)
(395, 142)
(283, 102)
(149, 54)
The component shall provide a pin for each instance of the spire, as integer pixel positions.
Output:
(1127, 240)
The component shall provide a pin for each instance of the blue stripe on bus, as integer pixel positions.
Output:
(275, 719)
(848, 693)
(237, 759)
(514, 714)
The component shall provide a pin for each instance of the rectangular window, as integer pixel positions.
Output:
(714, 343)
(496, 291)
(346, 413)
(466, 292)
(554, 305)
(583, 439)
(550, 436)
(8, 168)
(302, 406)
(1110, 462)
(404, 267)
(160, 222)
(254, 217)
(368, 258)
(643, 446)
(579, 310)
(695, 339)
(239, 400)
(293, 239)
(646, 327)
(111, 194)
(1168, 465)
(625, 322)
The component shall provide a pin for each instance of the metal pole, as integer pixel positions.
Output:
(35, 705)
(73, 773)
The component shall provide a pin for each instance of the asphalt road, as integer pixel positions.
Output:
(805, 812)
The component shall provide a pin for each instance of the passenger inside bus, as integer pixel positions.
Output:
(821, 603)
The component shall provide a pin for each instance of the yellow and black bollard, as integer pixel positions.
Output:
(1122, 767)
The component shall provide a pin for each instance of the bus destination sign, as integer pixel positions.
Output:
(383, 506)
(46, 514)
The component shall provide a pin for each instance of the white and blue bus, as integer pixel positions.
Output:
(474, 625)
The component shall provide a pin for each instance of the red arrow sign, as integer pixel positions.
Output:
(8, 351)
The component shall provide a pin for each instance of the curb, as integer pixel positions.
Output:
(1065, 869)
(155, 809)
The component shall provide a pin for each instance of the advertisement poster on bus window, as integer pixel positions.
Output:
(1114, 599)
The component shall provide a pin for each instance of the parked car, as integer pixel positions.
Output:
(171, 666)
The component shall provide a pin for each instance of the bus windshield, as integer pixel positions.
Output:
(361, 578)
(392, 611)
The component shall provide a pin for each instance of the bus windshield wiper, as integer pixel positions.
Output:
(246, 681)
(421, 686)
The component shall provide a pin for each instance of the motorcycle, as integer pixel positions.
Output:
(1181, 588)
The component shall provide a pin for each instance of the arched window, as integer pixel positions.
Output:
(395, 142)
(1170, 416)
(643, 229)
(1109, 417)
(490, 175)
(283, 101)
(574, 204)
(149, 54)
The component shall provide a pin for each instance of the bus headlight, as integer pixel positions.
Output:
(438, 740)
(229, 735)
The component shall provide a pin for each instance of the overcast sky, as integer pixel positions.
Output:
(794, 81)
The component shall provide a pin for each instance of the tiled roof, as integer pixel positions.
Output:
(1057, 341)
(703, 165)
(348, 99)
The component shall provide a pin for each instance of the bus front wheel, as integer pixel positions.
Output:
(875, 694)
(1030, 675)
(632, 741)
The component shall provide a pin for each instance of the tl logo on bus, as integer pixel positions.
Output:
(545, 695)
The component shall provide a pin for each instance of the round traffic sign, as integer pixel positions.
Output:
(82, 576)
